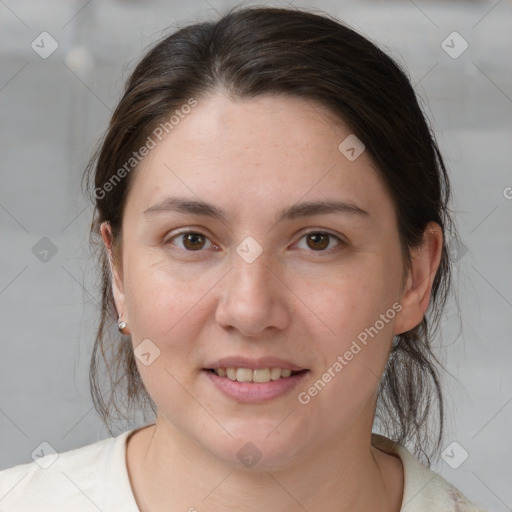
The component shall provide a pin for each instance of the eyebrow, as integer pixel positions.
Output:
(307, 209)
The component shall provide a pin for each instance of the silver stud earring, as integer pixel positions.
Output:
(121, 325)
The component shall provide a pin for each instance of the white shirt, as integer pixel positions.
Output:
(95, 478)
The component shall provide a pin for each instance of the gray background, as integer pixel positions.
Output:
(53, 111)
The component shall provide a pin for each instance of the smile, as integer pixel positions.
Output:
(258, 375)
(250, 386)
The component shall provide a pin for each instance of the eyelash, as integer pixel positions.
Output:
(314, 232)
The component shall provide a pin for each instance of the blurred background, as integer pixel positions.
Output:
(63, 66)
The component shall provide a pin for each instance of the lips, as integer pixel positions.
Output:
(254, 380)
(258, 375)
(253, 364)
(255, 392)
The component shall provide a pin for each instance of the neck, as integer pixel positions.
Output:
(347, 474)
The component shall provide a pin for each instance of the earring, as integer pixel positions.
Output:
(121, 325)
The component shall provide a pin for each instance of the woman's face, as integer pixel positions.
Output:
(256, 287)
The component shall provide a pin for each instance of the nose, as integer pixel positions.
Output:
(254, 299)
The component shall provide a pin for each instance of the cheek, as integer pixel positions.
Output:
(170, 307)
(348, 301)
(161, 300)
(164, 306)
(357, 310)
(353, 358)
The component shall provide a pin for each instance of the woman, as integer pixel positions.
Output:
(273, 212)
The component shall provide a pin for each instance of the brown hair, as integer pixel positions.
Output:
(254, 51)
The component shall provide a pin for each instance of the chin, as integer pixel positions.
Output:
(257, 452)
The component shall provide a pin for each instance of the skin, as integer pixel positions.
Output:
(252, 158)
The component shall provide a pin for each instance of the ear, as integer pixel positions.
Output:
(116, 276)
(415, 296)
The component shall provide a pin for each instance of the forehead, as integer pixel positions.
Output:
(256, 153)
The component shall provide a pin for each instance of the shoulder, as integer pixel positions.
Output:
(424, 490)
(74, 480)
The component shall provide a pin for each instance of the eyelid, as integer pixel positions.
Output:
(339, 239)
(308, 231)
(186, 231)
(302, 234)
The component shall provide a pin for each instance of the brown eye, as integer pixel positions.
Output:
(190, 241)
(193, 241)
(319, 241)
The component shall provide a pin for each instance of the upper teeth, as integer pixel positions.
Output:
(248, 375)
